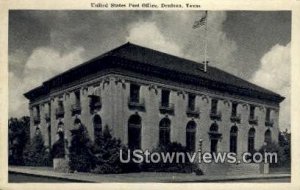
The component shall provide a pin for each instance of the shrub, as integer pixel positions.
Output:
(36, 154)
(81, 156)
(181, 167)
(58, 148)
(107, 153)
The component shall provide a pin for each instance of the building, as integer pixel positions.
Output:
(148, 98)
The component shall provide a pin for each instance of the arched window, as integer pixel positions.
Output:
(49, 134)
(233, 139)
(134, 132)
(97, 122)
(77, 121)
(190, 135)
(268, 136)
(60, 127)
(164, 131)
(214, 137)
(251, 140)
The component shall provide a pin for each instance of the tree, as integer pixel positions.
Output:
(58, 148)
(18, 137)
(107, 153)
(81, 156)
(282, 148)
(284, 142)
(36, 154)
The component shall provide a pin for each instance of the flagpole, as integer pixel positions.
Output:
(205, 44)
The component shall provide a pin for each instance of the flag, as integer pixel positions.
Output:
(201, 21)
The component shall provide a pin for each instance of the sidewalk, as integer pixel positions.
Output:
(136, 177)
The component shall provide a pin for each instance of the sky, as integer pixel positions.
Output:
(249, 44)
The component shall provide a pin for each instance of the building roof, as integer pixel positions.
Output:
(137, 54)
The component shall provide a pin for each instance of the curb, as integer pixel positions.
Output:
(85, 178)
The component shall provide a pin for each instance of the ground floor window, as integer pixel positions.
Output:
(97, 122)
(214, 137)
(268, 137)
(190, 135)
(134, 132)
(233, 139)
(49, 134)
(164, 132)
(251, 140)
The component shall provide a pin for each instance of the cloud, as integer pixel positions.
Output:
(173, 33)
(220, 48)
(43, 63)
(274, 74)
(147, 34)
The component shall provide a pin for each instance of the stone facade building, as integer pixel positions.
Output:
(148, 98)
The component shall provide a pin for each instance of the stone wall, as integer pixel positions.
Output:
(114, 92)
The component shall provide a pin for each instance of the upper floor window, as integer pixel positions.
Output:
(60, 103)
(268, 114)
(49, 107)
(134, 93)
(191, 102)
(234, 109)
(214, 106)
(252, 112)
(77, 97)
(37, 114)
(165, 98)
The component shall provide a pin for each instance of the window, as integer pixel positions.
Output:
(214, 127)
(134, 93)
(165, 96)
(234, 109)
(214, 106)
(252, 112)
(77, 97)
(214, 139)
(60, 105)
(94, 100)
(191, 102)
(268, 137)
(37, 111)
(97, 122)
(36, 114)
(164, 132)
(77, 121)
(251, 140)
(61, 130)
(49, 134)
(134, 132)
(268, 114)
(190, 136)
(233, 139)
(48, 112)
